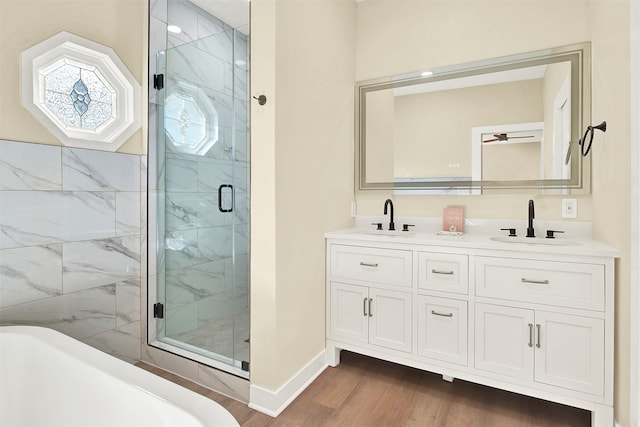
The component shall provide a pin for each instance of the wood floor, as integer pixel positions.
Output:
(364, 391)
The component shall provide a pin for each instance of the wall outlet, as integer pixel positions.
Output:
(569, 208)
(354, 210)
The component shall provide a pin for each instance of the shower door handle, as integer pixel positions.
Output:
(220, 208)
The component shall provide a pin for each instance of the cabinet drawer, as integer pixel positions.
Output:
(442, 329)
(443, 272)
(546, 282)
(389, 266)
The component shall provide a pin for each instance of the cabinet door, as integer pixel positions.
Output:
(570, 352)
(504, 340)
(390, 319)
(442, 329)
(349, 312)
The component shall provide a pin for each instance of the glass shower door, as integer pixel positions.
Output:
(202, 307)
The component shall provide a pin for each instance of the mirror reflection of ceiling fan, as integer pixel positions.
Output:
(504, 137)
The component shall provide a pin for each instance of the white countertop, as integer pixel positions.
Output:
(577, 241)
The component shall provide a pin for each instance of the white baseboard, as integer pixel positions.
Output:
(274, 402)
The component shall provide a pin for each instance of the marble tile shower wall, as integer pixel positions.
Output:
(70, 243)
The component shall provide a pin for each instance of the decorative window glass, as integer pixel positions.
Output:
(190, 119)
(81, 92)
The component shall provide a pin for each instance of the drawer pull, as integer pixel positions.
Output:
(537, 282)
(434, 271)
(538, 340)
(530, 334)
(368, 264)
(441, 314)
(364, 307)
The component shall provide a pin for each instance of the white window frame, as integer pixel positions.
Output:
(64, 46)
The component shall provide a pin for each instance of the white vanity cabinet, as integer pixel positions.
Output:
(535, 320)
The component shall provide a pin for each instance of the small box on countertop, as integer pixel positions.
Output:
(453, 220)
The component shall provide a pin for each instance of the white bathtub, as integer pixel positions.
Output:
(48, 379)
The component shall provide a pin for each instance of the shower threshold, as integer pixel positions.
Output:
(202, 356)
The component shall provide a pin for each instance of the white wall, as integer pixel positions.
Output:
(635, 214)
(302, 174)
(611, 186)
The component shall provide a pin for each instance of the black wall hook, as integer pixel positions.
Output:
(589, 132)
(262, 99)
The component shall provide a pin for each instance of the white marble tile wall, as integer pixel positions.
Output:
(186, 18)
(90, 170)
(197, 67)
(30, 167)
(31, 218)
(30, 274)
(70, 242)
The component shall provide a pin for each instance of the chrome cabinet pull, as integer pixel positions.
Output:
(370, 312)
(537, 282)
(538, 331)
(530, 334)
(434, 271)
(368, 264)
(364, 307)
(441, 314)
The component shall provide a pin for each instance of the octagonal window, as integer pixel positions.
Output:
(81, 92)
(190, 120)
(78, 96)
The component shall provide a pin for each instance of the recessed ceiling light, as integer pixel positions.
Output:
(174, 29)
(426, 73)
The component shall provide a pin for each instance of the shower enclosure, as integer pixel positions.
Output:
(199, 209)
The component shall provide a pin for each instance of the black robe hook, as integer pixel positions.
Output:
(262, 99)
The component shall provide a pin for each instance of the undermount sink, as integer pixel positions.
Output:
(395, 233)
(535, 241)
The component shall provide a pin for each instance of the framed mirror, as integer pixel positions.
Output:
(506, 123)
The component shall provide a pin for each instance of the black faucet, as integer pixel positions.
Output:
(392, 225)
(532, 214)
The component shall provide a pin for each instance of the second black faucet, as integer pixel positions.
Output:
(532, 214)
(392, 225)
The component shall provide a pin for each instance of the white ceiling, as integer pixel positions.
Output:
(233, 12)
